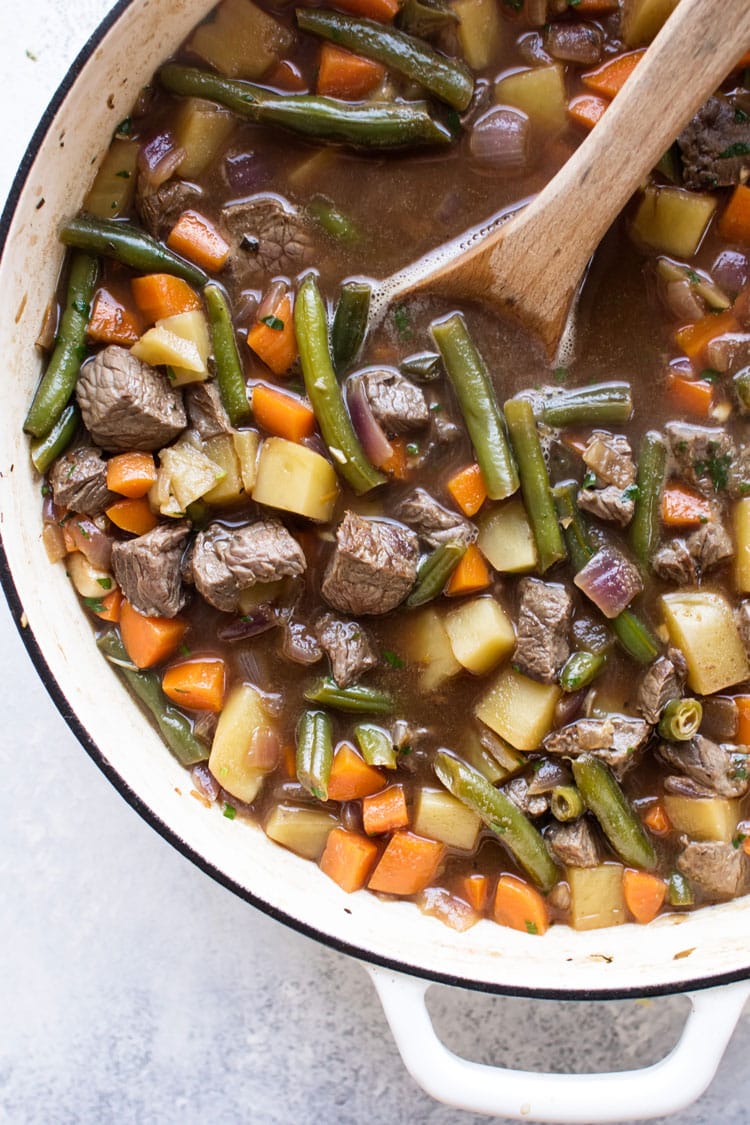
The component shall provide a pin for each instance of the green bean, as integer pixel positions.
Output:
(566, 803)
(635, 637)
(434, 572)
(376, 745)
(598, 404)
(680, 719)
(314, 752)
(59, 380)
(128, 244)
(333, 221)
(324, 392)
(741, 383)
(175, 727)
(606, 800)
(645, 525)
(448, 79)
(501, 815)
(230, 377)
(424, 366)
(425, 17)
(679, 891)
(350, 323)
(362, 124)
(479, 406)
(580, 669)
(535, 486)
(357, 698)
(45, 450)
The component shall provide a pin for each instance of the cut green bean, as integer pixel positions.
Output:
(679, 891)
(448, 79)
(59, 380)
(47, 449)
(333, 221)
(580, 669)
(376, 745)
(596, 405)
(350, 323)
(479, 406)
(175, 727)
(128, 244)
(500, 815)
(680, 719)
(566, 803)
(324, 392)
(426, 17)
(357, 698)
(741, 382)
(230, 377)
(535, 485)
(603, 796)
(434, 572)
(361, 124)
(645, 525)
(314, 752)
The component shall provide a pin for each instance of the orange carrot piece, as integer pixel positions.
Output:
(644, 894)
(396, 464)
(197, 239)
(381, 10)
(683, 507)
(285, 75)
(575, 441)
(520, 906)
(743, 726)
(273, 340)
(348, 858)
(131, 474)
(691, 396)
(468, 489)
(611, 76)
(149, 640)
(344, 75)
(281, 413)
(474, 889)
(470, 575)
(656, 820)
(134, 516)
(351, 777)
(111, 321)
(587, 109)
(595, 7)
(407, 865)
(744, 62)
(111, 606)
(693, 338)
(198, 685)
(159, 295)
(746, 845)
(385, 811)
(734, 222)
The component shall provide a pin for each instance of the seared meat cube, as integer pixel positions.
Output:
(574, 843)
(226, 561)
(715, 146)
(79, 482)
(663, 680)
(542, 636)
(161, 207)
(300, 644)
(617, 740)
(611, 458)
(267, 237)
(674, 563)
(127, 404)
(609, 503)
(347, 646)
(206, 411)
(531, 804)
(704, 455)
(711, 766)
(398, 404)
(434, 523)
(148, 571)
(685, 560)
(719, 871)
(373, 567)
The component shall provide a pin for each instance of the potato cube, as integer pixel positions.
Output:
(596, 896)
(427, 644)
(246, 445)
(295, 479)
(703, 818)
(302, 830)
(741, 520)
(230, 760)
(506, 538)
(540, 94)
(479, 31)
(240, 39)
(113, 189)
(643, 19)
(230, 490)
(440, 816)
(90, 581)
(519, 709)
(673, 220)
(202, 129)
(186, 474)
(481, 634)
(702, 626)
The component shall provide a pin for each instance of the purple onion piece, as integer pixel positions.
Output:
(610, 581)
(90, 541)
(262, 618)
(244, 172)
(682, 300)
(500, 140)
(374, 442)
(272, 298)
(159, 158)
(730, 271)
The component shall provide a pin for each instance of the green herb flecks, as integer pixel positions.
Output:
(273, 322)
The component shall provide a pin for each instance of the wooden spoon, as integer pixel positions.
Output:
(532, 265)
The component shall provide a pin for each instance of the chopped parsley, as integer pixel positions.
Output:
(404, 750)
(693, 277)
(740, 115)
(105, 583)
(738, 840)
(589, 481)
(125, 128)
(412, 449)
(402, 322)
(392, 658)
(717, 468)
(631, 492)
(171, 375)
(531, 927)
(96, 605)
(436, 407)
(516, 5)
(230, 812)
(739, 148)
(82, 308)
(86, 534)
(273, 322)
(710, 375)
(185, 650)
(560, 374)
(123, 174)
(46, 490)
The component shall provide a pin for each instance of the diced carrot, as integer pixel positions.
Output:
(656, 819)
(470, 575)
(474, 889)
(746, 845)
(111, 321)
(694, 338)
(381, 10)
(348, 859)
(159, 295)
(131, 474)
(396, 463)
(587, 109)
(575, 441)
(351, 777)
(111, 606)
(198, 685)
(273, 340)
(385, 811)
(290, 760)
(611, 76)
(149, 640)
(285, 75)
(644, 894)
(520, 906)
(282, 414)
(691, 396)
(734, 222)
(744, 62)
(468, 489)
(134, 516)
(407, 865)
(344, 75)
(743, 726)
(683, 507)
(197, 239)
(595, 7)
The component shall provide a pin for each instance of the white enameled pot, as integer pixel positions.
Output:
(706, 953)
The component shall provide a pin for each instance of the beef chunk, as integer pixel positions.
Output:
(147, 569)
(674, 563)
(372, 568)
(300, 644)
(715, 146)
(266, 237)
(685, 560)
(347, 646)
(663, 680)
(206, 411)
(79, 482)
(530, 804)
(704, 455)
(160, 208)
(710, 765)
(398, 404)
(434, 523)
(226, 561)
(683, 786)
(543, 619)
(729, 352)
(127, 404)
(719, 871)
(574, 843)
(611, 458)
(617, 740)
(609, 503)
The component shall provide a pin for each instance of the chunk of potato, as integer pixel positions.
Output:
(89, 580)
(741, 520)
(302, 830)
(702, 626)
(185, 475)
(439, 816)
(231, 489)
(703, 818)
(202, 129)
(295, 479)
(540, 94)
(596, 896)
(479, 31)
(246, 445)
(161, 345)
(481, 634)
(229, 760)
(427, 644)
(241, 40)
(113, 189)
(642, 19)
(506, 538)
(519, 709)
(673, 220)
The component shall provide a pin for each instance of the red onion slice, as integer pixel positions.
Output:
(90, 541)
(730, 271)
(610, 580)
(158, 159)
(369, 431)
(500, 140)
(249, 625)
(264, 750)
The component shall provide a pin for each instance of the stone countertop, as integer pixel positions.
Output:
(135, 989)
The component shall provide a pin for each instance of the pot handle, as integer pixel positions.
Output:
(634, 1095)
